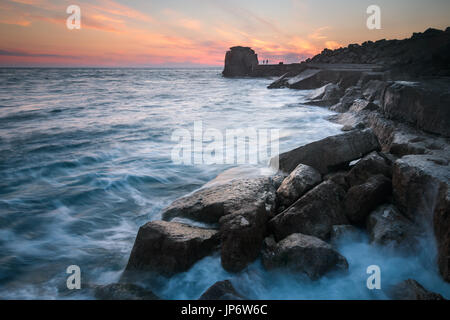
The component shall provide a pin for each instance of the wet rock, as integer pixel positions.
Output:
(304, 254)
(123, 291)
(167, 248)
(412, 290)
(240, 62)
(221, 290)
(388, 227)
(302, 179)
(363, 198)
(330, 153)
(370, 165)
(209, 204)
(313, 214)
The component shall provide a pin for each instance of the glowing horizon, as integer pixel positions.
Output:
(118, 33)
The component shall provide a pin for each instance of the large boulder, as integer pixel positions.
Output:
(304, 254)
(211, 203)
(313, 214)
(411, 290)
(301, 180)
(167, 248)
(361, 199)
(239, 62)
(422, 104)
(221, 290)
(330, 153)
(370, 165)
(421, 191)
(123, 291)
(388, 227)
(326, 95)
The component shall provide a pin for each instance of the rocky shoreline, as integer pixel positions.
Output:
(388, 174)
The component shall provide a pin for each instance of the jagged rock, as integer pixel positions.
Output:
(302, 179)
(330, 153)
(209, 204)
(242, 233)
(239, 62)
(388, 227)
(360, 105)
(370, 165)
(304, 254)
(313, 214)
(411, 290)
(422, 104)
(373, 90)
(363, 198)
(421, 191)
(221, 290)
(347, 100)
(167, 248)
(123, 291)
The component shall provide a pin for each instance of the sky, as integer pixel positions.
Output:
(186, 33)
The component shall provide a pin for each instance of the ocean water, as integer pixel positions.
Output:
(85, 159)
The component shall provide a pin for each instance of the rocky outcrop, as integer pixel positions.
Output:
(330, 153)
(302, 179)
(167, 248)
(123, 291)
(304, 254)
(313, 214)
(221, 290)
(411, 290)
(361, 199)
(240, 62)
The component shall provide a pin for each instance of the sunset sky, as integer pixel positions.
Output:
(198, 32)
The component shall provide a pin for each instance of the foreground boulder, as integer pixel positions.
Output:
(123, 291)
(388, 227)
(330, 153)
(221, 290)
(313, 214)
(370, 165)
(362, 199)
(412, 290)
(239, 62)
(167, 248)
(209, 204)
(301, 180)
(304, 254)
(422, 193)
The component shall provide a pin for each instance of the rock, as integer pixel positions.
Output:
(339, 177)
(363, 198)
(313, 214)
(373, 90)
(327, 95)
(123, 291)
(411, 290)
(344, 231)
(422, 193)
(209, 204)
(360, 105)
(330, 153)
(370, 165)
(422, 104)
(242, 233)
(221, 290)
(302, 179)
(388, 227)
(167, 248)
(304, 254)
(239, 62)
(351, 94)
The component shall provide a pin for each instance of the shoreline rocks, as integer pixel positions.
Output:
(239, 62)
(411, 290)
(221, 290)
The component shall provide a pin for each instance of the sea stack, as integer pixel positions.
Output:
(239, 62)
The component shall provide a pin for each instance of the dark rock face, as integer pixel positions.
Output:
(412, 290)
(363, 198)
(211, 203)
(387, 226)
(360, 105)
(347, 99)
(304, 254)
(330, 153)
(301, 180)
(240, 62)
(221, 290)
(422, 104)
(123, 291)
(370, 165)
(167, 248)
(313, 214)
